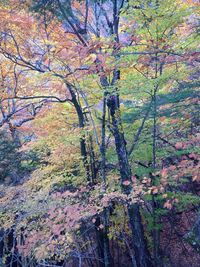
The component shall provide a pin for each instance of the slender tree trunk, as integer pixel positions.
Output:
(103, 240)
(142, 255)
(81, 120)
(93, 169)
(103, 144)
(108, 261)
(107, 258)
(102, 234)
(156, 232)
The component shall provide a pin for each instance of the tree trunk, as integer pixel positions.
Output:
(81, 120)
(106, 254)
(103, 241)
(142, 255)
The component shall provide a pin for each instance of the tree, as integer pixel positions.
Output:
(91, 58)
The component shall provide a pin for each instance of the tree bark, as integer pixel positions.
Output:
(81, 120)
(107, 258)
(142, 255)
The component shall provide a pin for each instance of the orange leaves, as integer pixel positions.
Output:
(170, 203)
(164, 177)
(174, 121)
(135, 39)
(164, 173)
(193, 2)
(153, 190)
(15, 21)
(162, 119)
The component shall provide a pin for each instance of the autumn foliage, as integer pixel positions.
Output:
(99, 128)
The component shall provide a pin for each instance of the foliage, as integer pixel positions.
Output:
(9, 159)
(100, 100)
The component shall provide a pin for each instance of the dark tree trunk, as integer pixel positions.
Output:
(81, 120)
(108, 261)
(142, 255)
(103, 233)
(103, 241)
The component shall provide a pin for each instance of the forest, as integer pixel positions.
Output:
(99, 133)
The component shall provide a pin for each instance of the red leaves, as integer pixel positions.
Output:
(135, 39)
(179, 145)
(126, 183)
(56, 229)
(101, 226)
(172, 168)
(134, 179)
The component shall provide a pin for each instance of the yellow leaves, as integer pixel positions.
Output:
(50, 42)
(122, 107)
(91, 58)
